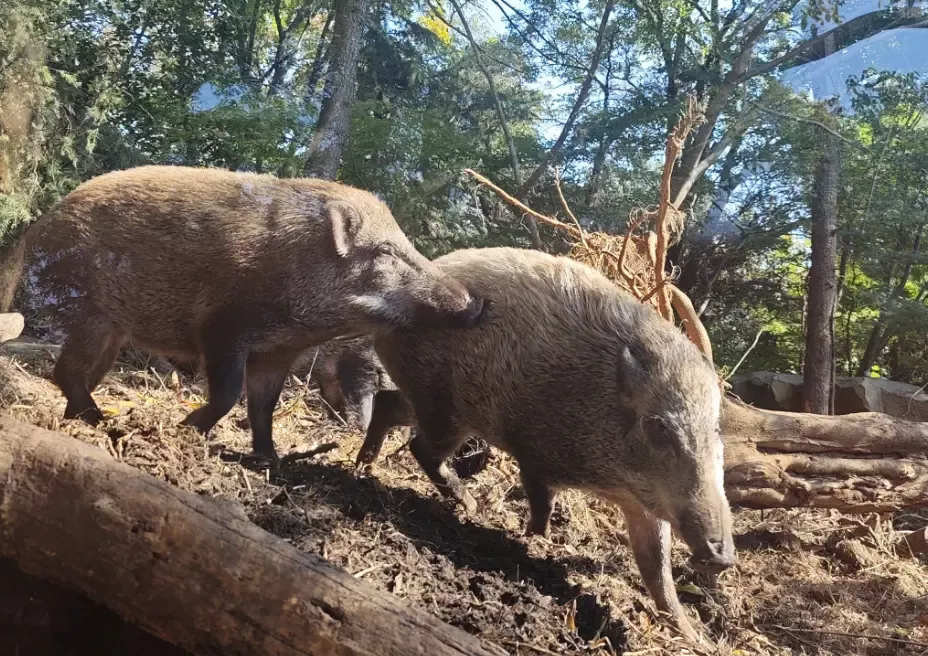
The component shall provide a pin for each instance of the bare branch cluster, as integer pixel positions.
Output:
(637, 260)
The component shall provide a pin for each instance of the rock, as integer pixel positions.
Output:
(914, 543)
(773, 391)
(881, 395)
(11, 326)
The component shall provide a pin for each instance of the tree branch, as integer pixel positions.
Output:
(315, 73)
(742, 123)
(578, 104)
(501, 114)
(527, 39)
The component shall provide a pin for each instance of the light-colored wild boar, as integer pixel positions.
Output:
(586, 388)
(240, 272)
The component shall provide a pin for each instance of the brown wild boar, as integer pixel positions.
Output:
(586, 388)
(240, 272)
(348, 374)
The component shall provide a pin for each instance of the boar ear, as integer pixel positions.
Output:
(344, 222)
(631, 373)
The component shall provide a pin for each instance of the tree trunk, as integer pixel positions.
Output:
(817, 374)
(325, 151)
(857, 463)
(186, 569)
(872, 350)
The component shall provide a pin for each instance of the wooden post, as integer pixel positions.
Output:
(188, 570)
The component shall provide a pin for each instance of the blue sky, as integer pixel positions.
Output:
(903, 50)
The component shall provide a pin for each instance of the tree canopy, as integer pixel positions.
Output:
(517, 89)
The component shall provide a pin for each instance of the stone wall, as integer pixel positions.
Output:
(772, 391)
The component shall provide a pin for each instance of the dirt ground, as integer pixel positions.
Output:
(807, 582)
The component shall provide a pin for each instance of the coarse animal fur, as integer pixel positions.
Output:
(240, 272)
(348, 374)
(586, 388)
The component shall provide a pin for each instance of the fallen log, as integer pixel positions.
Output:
(189, 571)
(857, 463)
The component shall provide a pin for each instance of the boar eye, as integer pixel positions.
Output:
(661, 434)
(385, 250)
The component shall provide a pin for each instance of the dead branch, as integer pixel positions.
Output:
(669, 217)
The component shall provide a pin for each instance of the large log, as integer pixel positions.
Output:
(862, 462)
(189, 571)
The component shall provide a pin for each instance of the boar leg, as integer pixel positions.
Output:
(650, 540)
(389, 409)
(359, 408)
(264, 377)
(88, 353)
(364, 410)
(540, 497)
(431, 447)
(225, 376)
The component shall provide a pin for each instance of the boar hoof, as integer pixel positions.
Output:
(365, 457)
(197, 419)
(531, 530)
(91, 415)
(682, 624)
(272, 460)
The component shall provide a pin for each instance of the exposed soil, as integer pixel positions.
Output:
(808, 582)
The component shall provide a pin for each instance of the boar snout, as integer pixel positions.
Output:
(713, 557)
(450, 306)
(710, 540)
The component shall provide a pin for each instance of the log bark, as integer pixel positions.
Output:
(856, 463)
(187, 570)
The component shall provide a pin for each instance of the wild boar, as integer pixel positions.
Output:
(586, 388)
(240, 272)
(348, 374)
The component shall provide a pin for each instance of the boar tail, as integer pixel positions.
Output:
(12, 254)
